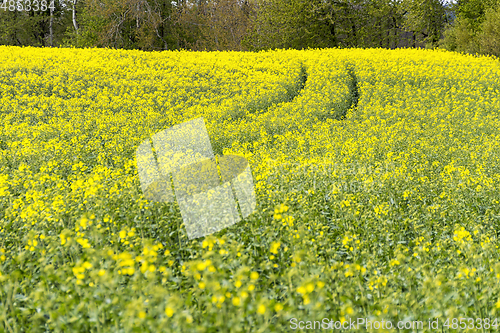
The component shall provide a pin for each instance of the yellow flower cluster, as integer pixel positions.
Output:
(376, 174)
(462, 236)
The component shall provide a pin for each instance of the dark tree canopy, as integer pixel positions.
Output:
(467, 25)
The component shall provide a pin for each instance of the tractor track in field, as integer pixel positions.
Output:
(293, 91)
(353, 91)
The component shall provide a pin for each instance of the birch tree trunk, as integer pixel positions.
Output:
(51, 31)
(75, 24)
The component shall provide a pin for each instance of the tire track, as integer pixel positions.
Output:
(353, 89)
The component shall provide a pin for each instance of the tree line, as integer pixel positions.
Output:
(471, 26)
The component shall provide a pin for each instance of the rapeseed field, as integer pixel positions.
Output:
(376, 172)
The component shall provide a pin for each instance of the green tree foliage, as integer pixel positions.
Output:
(129, 24)
(476, 28)
(383, 24)
(425, 19)
(162, 24)
(30, 25)
(474, 11)
(215, 25)
(326, 23)
(489, 36)
(257, 24)
(285, 24)
(460, 37)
